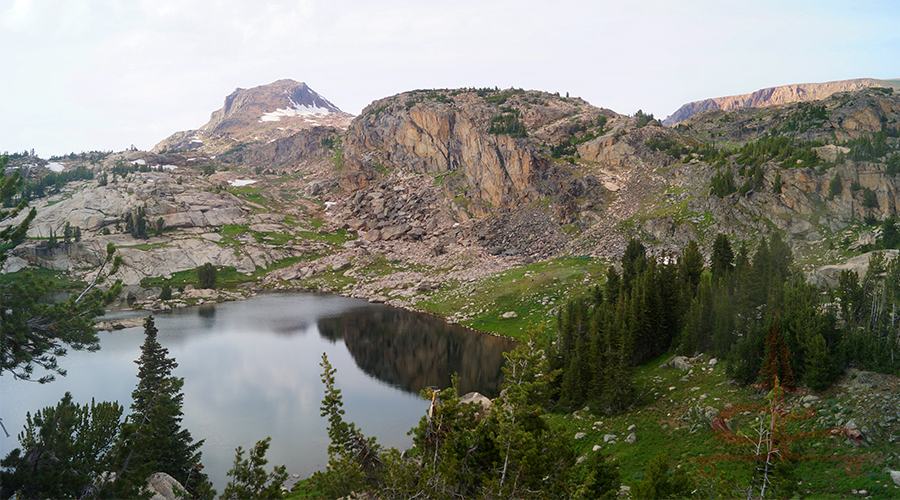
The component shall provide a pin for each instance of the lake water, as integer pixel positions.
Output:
(251, 370)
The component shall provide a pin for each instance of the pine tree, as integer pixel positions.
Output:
(249, 480)
(722, 261)
(633, 262)
(690, 265)
(777, 366)
(64, 448)
(153, 438)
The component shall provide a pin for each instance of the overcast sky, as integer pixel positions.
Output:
(80, 75)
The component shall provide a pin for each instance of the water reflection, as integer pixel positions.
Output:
(413, 351)
(251, 370)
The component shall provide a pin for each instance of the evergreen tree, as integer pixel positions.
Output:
(64, 448)
(660, 483)
(207, 275)
(690, 265)
(777, 365)
(249, 480)
(722, 261)
(153, 437)
(352, 458)
(533, 458)
(633, 261)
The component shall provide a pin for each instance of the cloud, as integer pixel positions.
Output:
(148, 68)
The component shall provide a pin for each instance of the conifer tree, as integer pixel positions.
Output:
(154, 440)
(777, 365)
(722, 261)
(690, 265)
(64, 448)
(249, 480)
(633, 261)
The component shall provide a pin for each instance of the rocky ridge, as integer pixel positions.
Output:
(771, 96)
(475, 181)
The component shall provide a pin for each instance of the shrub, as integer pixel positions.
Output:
(835, 186)
(869, 200)
(509, 124)
(722, 184)
(206, 275)
(166, 292)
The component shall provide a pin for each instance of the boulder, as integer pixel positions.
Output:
(163, 487)
(483, 403)
(679, 362)
(394, 232)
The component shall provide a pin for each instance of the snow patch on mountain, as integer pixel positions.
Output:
(293, 110)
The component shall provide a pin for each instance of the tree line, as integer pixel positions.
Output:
(726, 309)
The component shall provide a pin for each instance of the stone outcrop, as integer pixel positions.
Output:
(305, 144)
(827, 276)
(445, 134)
(92, 207)
(164, 487)
(777, 95)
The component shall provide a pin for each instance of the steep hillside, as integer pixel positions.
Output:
(771, 96)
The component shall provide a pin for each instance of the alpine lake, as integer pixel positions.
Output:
(252, 370)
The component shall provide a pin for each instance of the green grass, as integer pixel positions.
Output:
(144, 246)
(667, 423)
(532, 292)
(59, 280)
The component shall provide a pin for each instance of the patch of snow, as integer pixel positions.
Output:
(241, 182)
(56, 167)
(169, 167)
(294, 110)
(138, 162)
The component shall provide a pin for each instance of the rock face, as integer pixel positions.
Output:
(777, 95)
(163, 487)
(446, 134)
(828, 276)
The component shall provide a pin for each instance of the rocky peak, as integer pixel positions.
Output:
(778, 95)
(260, 115)
(274, 102)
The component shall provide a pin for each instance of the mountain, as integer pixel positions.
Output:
(493, 178)
(260, 115)
(777, 95)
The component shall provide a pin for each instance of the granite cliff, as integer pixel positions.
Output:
(771, 96)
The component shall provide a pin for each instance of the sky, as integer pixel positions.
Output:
(82, 75)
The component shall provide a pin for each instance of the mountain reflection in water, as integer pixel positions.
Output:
(413, 351)
(251, 370)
